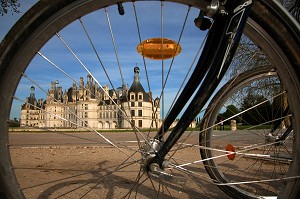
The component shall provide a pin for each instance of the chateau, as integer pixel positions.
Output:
(89, 106)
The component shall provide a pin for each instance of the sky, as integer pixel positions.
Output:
(9, 19)
(6, 23)
(126, 39)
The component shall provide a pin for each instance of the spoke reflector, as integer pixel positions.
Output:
(230, 152)
(158, 48)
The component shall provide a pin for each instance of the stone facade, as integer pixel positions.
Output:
(90, 106)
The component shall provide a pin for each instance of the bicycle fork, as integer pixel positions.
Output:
(224, 35)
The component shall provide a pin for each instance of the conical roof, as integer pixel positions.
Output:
(136, 86)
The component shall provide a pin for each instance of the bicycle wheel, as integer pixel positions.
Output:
(256, 100)
(46, 45)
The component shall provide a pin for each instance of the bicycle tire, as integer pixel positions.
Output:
(239, 86)
(47, 17)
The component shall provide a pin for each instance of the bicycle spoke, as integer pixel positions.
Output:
(214, 114)
(97, 54)
(122, 112)
(145, 68)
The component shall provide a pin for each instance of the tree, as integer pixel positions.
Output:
(258, 115)
(231, 110)
(14, 123)
(12, 5)
(247, 56)
(293, 6)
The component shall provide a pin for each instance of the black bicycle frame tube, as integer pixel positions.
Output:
(190, 87)
(278, 122)
(285, 134)
(221, 45)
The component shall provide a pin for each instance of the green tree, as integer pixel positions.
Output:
(293, 6)
(14, 123)
(12, 5)
(260, 114)
(231, 110)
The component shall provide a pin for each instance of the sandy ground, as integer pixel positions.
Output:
(71, 166)
(94, 172)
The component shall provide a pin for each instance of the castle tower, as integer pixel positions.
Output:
(32, 92)
(136, 91)
(138, 104)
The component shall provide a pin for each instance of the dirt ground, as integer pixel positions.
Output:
(94, 172)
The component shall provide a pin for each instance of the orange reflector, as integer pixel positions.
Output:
(230, 152)
(158, 48)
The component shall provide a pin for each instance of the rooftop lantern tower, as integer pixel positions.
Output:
(32, 92)
(136, 71)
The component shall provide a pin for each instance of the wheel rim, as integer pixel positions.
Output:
(127, 151)
(239, 189)
(250, 163)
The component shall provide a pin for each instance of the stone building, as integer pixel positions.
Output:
(32, 113)
(92, 106)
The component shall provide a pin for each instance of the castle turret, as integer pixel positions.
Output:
(32, 92)
(136, 91)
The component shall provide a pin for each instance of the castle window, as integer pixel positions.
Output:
(140, 113)
(140, 123)
(132, 104)
(140, 104)
(132, 113)
(140, 96)
(132, 96)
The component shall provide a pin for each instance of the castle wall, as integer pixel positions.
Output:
(87, 107)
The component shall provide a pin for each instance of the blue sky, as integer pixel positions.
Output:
(6, 23)
(126, 38)
(9, 19)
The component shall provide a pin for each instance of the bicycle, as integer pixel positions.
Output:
(274, 142)
(160, 160)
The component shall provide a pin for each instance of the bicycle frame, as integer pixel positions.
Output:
(221, 44)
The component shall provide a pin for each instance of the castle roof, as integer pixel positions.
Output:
(136, 86)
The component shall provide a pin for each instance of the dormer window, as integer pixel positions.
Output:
(132, 96)
(140, 95)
